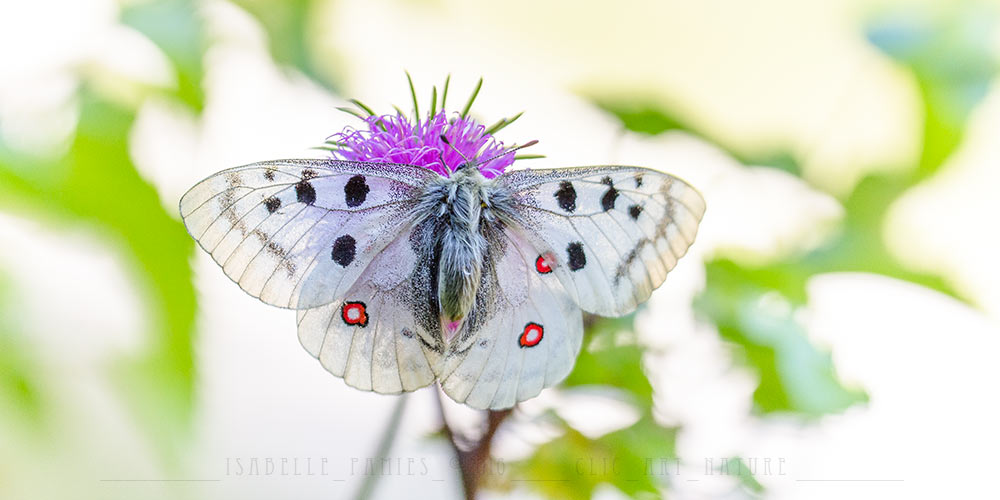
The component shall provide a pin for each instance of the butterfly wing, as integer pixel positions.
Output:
(522, 335)
(298, 233)
(610, 234)
(384, 336)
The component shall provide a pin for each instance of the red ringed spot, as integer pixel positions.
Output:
(353, 313)
(541, 266)
(531, 336)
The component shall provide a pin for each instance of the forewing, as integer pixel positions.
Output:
(610, 234)
(298, 233)
(384, 336)
(522, 336)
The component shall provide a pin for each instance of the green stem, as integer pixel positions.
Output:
(384, 446)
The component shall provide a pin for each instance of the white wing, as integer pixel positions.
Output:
(523, 334)
(298, 233)
(610, 234)
(384, 336)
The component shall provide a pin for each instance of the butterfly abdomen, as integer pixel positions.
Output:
(461, 251)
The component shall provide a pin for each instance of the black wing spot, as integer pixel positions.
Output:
(577, 259)
(308, 174)
(272, 204)
(269, 174)
(566, 196)
(305, 192)
(638, 180)
(608, 200)
(343, 250)
(355, 191)
(634, 211)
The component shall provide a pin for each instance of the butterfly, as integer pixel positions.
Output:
(401, 276)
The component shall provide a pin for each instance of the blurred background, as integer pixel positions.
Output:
(833, 331)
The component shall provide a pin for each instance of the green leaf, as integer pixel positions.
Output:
(754, 309)
(573, 465)
(612, 358)
(288, 27)
(20, 388)
(176, 27)
(644, 116)
(96, 186)
(747, 477)
(953, 67)
(949, 51)
(742, 471)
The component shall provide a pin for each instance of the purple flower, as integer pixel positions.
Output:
(397, 139)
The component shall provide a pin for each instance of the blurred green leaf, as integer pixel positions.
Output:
(554, 468)
(96, 185)
(642, 116)
(606, 361)
(754, 309)
(176, 27)
(746, 475)
(951, 59)
(572, 465)
(743, 472)
(288, 28)
(794, 375)
(645, 116)
(860, 245)
(20, 390)
(950, 51)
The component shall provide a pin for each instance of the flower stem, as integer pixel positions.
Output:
(384, 446)
(472, 461)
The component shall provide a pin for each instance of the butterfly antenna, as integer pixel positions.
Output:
(452, 146)
(509, 151)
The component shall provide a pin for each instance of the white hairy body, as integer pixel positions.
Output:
(402, 277)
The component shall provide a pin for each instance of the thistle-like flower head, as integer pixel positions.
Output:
(420, 141)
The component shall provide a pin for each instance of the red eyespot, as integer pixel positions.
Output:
(354, 313)
(541, 266)
(531, 336)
